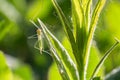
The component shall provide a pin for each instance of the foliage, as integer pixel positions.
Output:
(5, 72)
(84, 28)
(16, 74)
(77, 19)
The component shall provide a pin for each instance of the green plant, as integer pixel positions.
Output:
(16, 73)
(80, 32)
(5, 72)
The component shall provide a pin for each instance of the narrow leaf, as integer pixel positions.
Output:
(66, 25)
(79, 12)
(69, 32)
(84, 3)
(63, 52)
(55, 56)
(95, 16)
(88, 14)
(103, 59)
(79, 32)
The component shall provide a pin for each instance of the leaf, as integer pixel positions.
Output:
(93, 23)
(63, 53)
(79, 32)
(53, 73)
(94, 59)
(5, 72)
(79, 25)
(24, 69)
(112, 18)
(88, 14)
(54, 54)
(67, 46)
(95, 16)
(70, 35)
(79, 40)
(66, 25)
(78, 11)
(96, 78)
(103, 59)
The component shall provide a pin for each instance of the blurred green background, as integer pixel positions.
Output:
(24, 61)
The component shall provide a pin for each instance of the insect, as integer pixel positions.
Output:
(39, 44)
(40, 41)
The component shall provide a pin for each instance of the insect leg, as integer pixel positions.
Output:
(35, 45)
(41, 50)
(33, 36)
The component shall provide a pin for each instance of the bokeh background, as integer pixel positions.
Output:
(24, 60)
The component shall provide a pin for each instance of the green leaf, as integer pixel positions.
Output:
(66, 25)
(96, 78)
(94, 59)
(24, 69)
(95, 16)
(103, 59)
(88, 14)
(112, 18)
(54, 54)
(5, 72)
(63, 53)
(67, 46)
(79, 40)
(78, 11)
(53, 73)
(79, 25)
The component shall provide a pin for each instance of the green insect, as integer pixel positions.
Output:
(39, 44)
(40, 41)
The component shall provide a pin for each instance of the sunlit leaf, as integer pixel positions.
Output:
(5, 72)
(54, 53)
(63, 52)
(53, 73)
(66, 25)
(97, 68)
(95, 16)
(24, 72)
(94, 59)
(112, 18)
